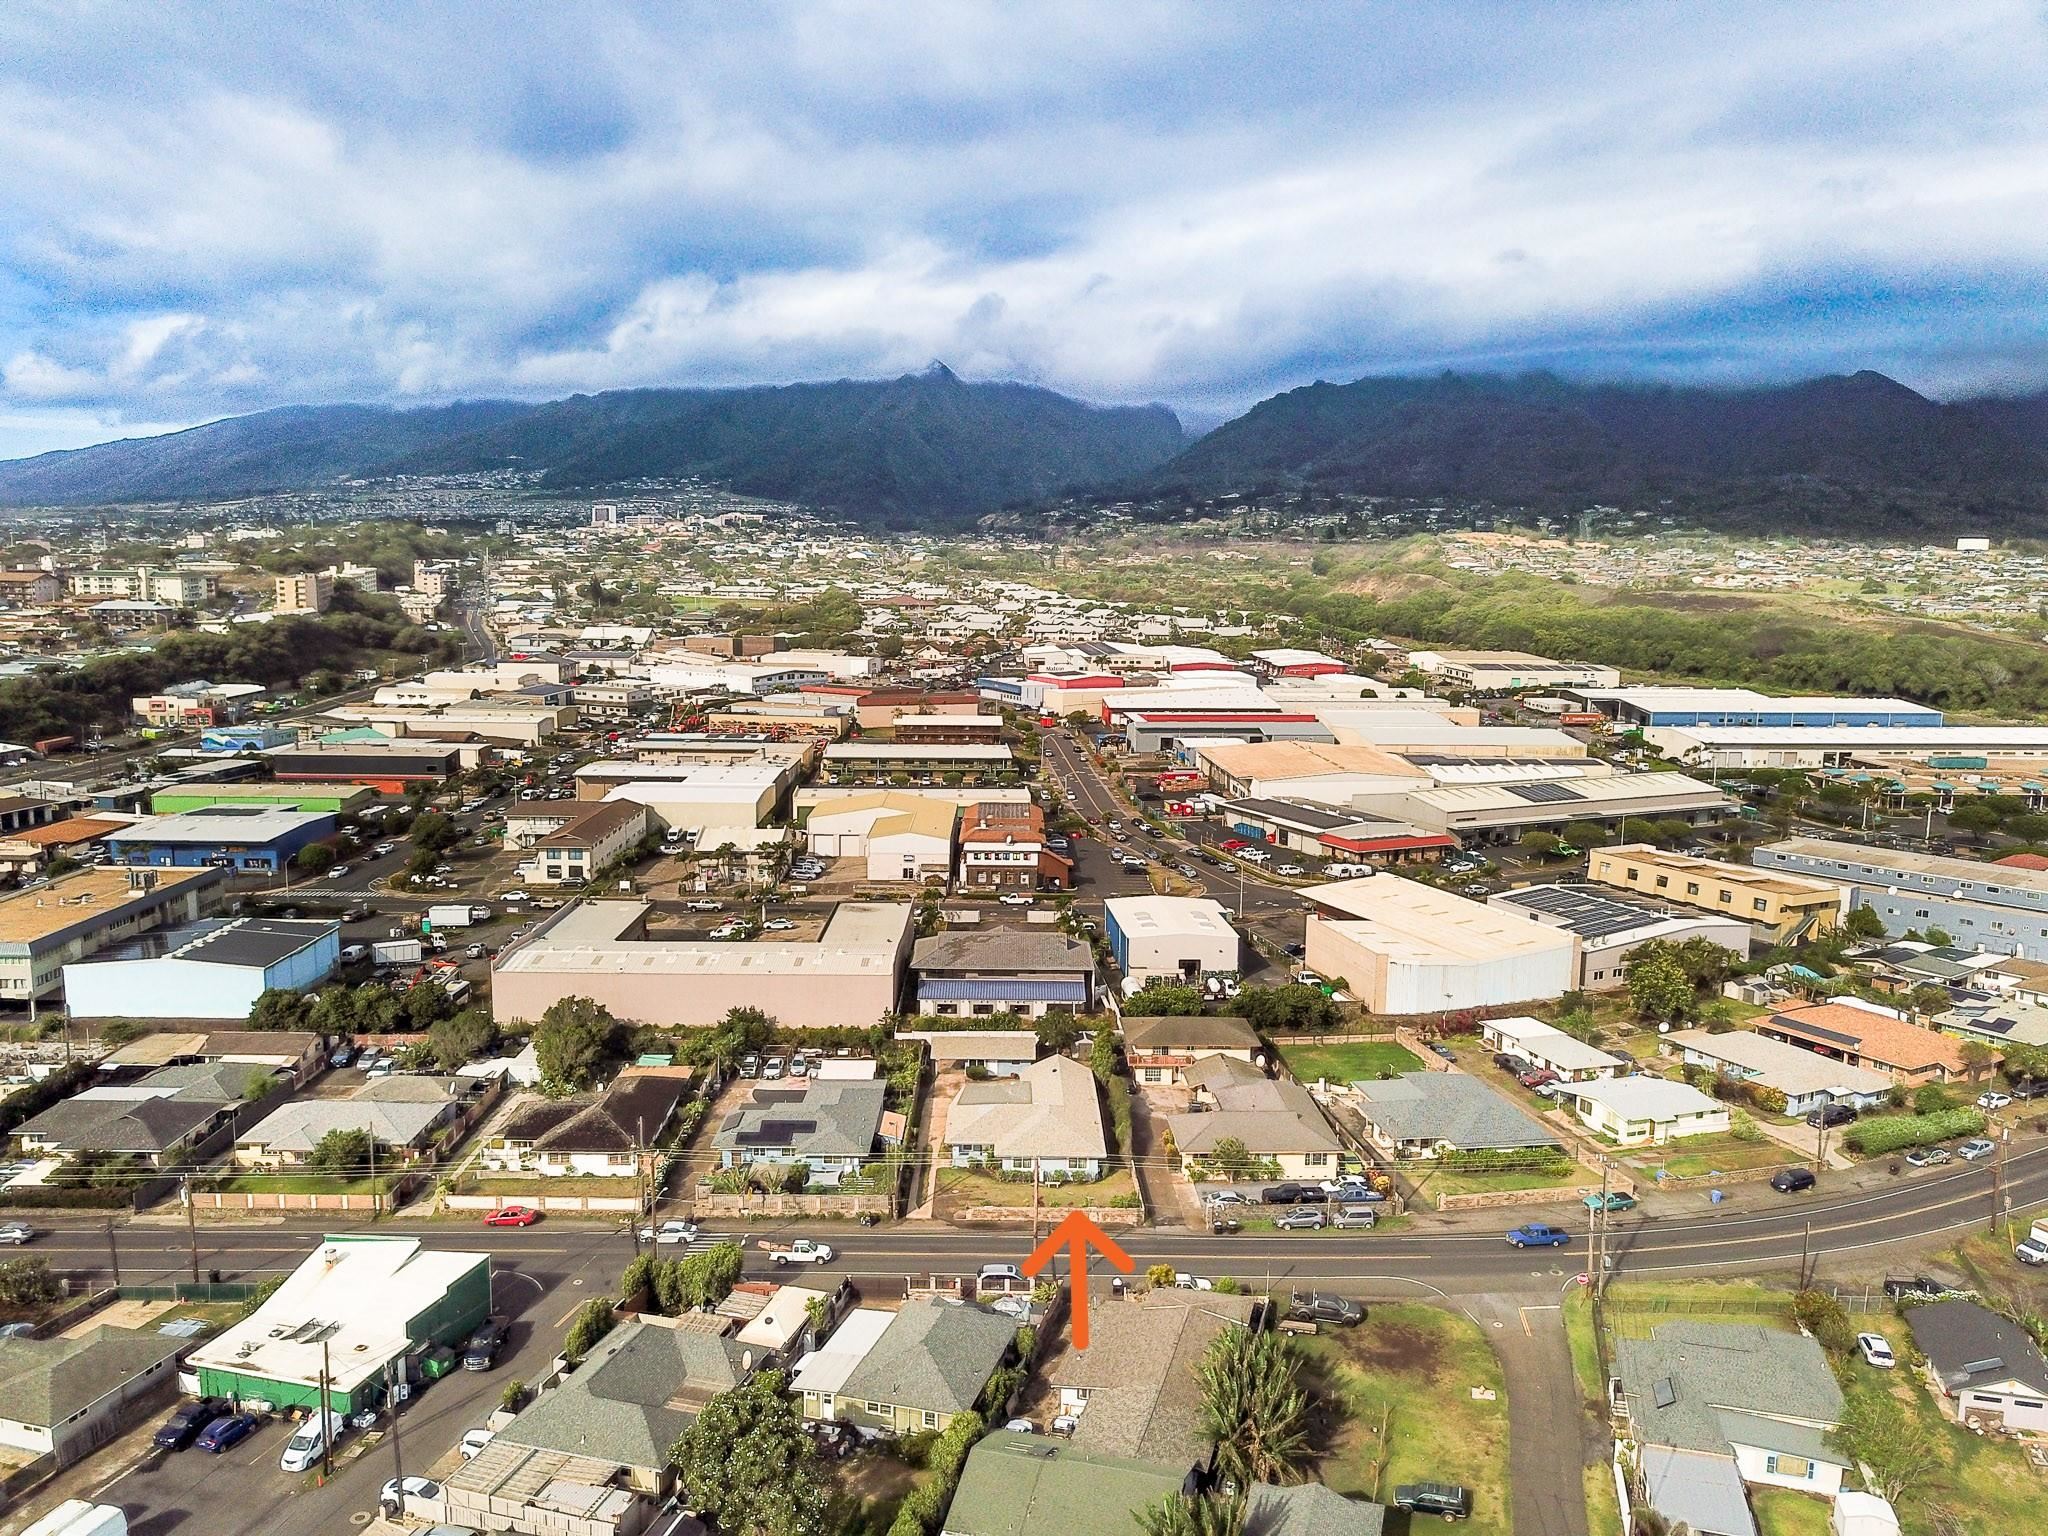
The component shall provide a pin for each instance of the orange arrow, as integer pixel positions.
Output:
(1077, 1232)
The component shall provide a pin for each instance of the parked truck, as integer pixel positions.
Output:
(77, 1517)
(456, 914)
(397, 952)
(802, 1251)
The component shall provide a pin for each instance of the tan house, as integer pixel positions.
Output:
(1275, 1119)
(1789, 908)
(1161, 1050)
(1046, 1118)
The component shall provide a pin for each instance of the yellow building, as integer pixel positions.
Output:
(1787, 907)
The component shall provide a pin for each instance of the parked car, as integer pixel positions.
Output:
(1975, 1148)
(512, 1216)
(1300, 1219)
(226, 1432)
(1282, 1194)
(1512, 1064)
(473, 1442)
(1355, 1218)
(1536, 1077)
(1829, 1115)
(1929, 1157)
(1914, 1288)
(1289, 869)
(1877, 1350)
(184, 1425)
(1000, 1275)
(2031, 1250)
(777, 925)
(1538, 1234)
(1449, 1500)
(392, 1499)
(750, 1066)
(1438, 1048)
(1617, 1200)
(1790, 1181)
(1991, 1098)
(310, 1442)
(1323, 1307)
(773, 1068)
(1224, 1197)
(1016, 899)
(481, 1352)
(17, 1233)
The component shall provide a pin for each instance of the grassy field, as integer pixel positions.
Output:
(1781, 1512)
(1355, 1061)
(1603, 1508)
(304, 1184)
(960, 1187)
(1635, 1307)
(1692, 1157)
(1450, 1182)
(1412, 1369)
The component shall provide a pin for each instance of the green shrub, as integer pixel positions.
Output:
(1896, 1133)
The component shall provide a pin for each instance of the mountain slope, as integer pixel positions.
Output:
(1861, 453)
(923, 446)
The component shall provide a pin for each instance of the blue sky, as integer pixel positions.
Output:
(213, 209)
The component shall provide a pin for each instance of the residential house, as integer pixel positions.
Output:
(157, 1119)
(830, 1127)
(605, 1137)
(1427, 1114)
(930, 1365)
(1275, 1120)
(820, 1376)
(1991, 1373)
(1016, 1484)
(2026, 980)
(1808, 1080)
(300, 1052)
(1003, 847)
(1643, 1110)
(1884, 1042)
(1309, 1509)
(1047, 1118)
(1160, 1050)
(64, 1397)
(998, 1052)
(1133, 1390)
(401, 1115)
(1716, 1406)
(1025, 971)
(1547, 1046)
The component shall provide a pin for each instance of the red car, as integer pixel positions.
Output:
(1234, 844)
(512, 1216)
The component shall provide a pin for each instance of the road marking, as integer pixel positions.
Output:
(1549, 1306)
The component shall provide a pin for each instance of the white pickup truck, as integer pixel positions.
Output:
(802, 1251)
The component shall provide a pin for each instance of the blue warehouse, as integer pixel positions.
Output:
(212, 969)
(248, 839)
(1680, 708)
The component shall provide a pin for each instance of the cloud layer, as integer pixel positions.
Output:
(213, 209)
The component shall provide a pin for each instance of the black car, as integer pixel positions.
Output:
(1512, 1064)
(481, 1352)
(1914, 1288)
(1829, 1115)
(1446, 1499)
(183, 1426)
(1323, 1307)
(1790, 1181)
(1283, 1194)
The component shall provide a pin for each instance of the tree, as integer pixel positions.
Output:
(1253, 1407)
(1180, 1514)
(592, 1323)
(1977, 1058)
(1897, 1450)
(314, 859)
(1229, 1157)
(433, 832)
(747, 1466)
(28, 1283)
(1105, 1054)
(1863, 923)
(1658, 988)
(1294, 1008)
(347, 1151)
(1163, 999)
(1539, 842)
(462, 1037)
(1057, 1032)
(575, 1039)
(280, 1008)
(1160, 1277)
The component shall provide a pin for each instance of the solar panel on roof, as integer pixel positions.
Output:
(776, 1133)
(1542, 794)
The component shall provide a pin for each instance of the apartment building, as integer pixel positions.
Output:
(304, 592)
(1789, 908)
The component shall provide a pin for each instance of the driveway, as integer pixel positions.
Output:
(1550, 1437)
(1802, 1139)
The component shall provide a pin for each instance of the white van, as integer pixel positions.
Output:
(350, 953)
(308, 1443)
(1347, 871)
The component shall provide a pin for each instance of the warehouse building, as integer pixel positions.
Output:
(389, 767)
(1995, 908)
(351, 1316)
(1305, 771)
(1610, 931)
(44, 930)
(1503, 812)
(1170, 938)
(332, 799)
(1787, 908)
(876, 762)
(213, 969)
(1736, 747)
(1686, 707)
(604, 950)
(1327, 834)
(1403, 947)
(597, 836)
(248, 839)
(1504, 671)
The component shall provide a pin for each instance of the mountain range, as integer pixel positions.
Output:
(1854, 454)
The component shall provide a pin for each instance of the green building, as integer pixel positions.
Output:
(351, 1313)
(336, 799)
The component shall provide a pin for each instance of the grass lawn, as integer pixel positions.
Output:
(1412, 1369)
(304, 1184)
(1692, 1157)
(1359, 1060)
(532, 1185)
(1579, 1333)
(1450, 1182)
(1781, 1512)
(1603, 1508)
(1634, 1307)
(865, 1490)
(959, 1187)
(1985, 1487)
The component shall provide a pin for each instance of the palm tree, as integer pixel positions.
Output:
(1253, 1407)
(1179, 1515)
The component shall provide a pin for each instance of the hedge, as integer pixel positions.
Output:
(28, 1102)
(1895, 1133)
(44, 1197)
(921, 1512)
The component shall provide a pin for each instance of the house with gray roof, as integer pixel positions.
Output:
(1718, 1405)
(1047, 1117)
(1426, 1114)
(403, 1128)
(1026, 1485)
(930, 1365)
(1024, 971)
(157, 1118)
(1133, 1390)
(831, 1127)
(1991, 1373)
(635, 1393)
(66, 1397)
(1309, 1509)
(1276, 1119)
(1160, 1049)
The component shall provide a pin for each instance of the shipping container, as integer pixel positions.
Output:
(397, 952)
(450, 915)
(53, 744)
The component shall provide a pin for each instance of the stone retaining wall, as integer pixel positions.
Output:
(541, 1199)
(1020, 1215)
(751, 1207)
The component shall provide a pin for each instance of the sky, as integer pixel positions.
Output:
(212, 209)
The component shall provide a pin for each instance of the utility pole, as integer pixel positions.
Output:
(326, 1416)
(1034, 1202)
(113, 1254)
(1600, 1230)
(1805, 1253)
(640, 1173)
(192, 1228)
(2000, 1200)
(391, 1408)
(376, 1201)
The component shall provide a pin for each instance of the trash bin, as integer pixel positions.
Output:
(1116, 1285)
(213, 1277)
(1714, 1197)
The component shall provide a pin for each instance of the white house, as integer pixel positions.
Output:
(1991, 1373)
(1635, 1111)
(1047, 1117)
(1545, 1045)
(1808, 1079)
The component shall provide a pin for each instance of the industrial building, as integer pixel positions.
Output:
(1402, 947)
(1610, 931)
(594, 838)
(1503, 812)
(349, 1318)
(1155, 730)
(900, 836)
(1990, 907)
(388, 766)
(603, 950)
(1170, 938)
(1327, 834)
(330, 799)
(1787, 908)
(878, 761)
(248, 839)
(212, 969)
(1305, 771)
(1505, 671)
(1023, 971)
(1738, 747)
(76, 915)
(1685, 707)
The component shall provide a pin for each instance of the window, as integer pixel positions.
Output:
(1662, 881)
(875, 1408)
(929, 1419)
(1789, 1466)
(1759, 905)
(1315, 1159)
(1692, 887)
